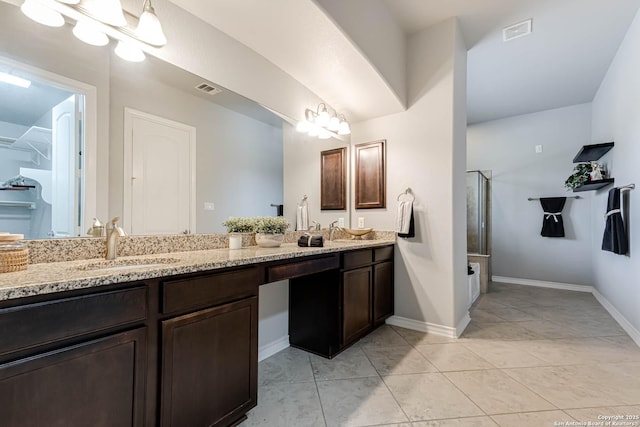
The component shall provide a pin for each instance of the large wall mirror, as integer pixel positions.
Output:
(119, 151)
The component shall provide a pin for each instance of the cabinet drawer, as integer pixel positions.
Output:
(302, 268)
(383, 254)
(357, 258)
(32, 325)
(208, 290)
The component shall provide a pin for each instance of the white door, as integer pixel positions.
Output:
(64, 169)
(160, 175)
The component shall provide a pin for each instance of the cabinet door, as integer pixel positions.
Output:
(97, 383)
(382, 292)
(210, 365)
(356, 304)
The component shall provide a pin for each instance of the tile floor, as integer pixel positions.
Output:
(530, 357)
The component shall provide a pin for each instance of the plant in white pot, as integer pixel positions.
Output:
(270, 231)
(236, 226)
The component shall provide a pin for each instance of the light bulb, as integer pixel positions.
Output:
(324, 134)
(303, 126)
(42, 14)
(344, 129)
(129, 52)
(88, 33)
(323, 117)
(314, 130)
(149, 28)
(334, 124)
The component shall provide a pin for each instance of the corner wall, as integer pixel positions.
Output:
(616, 110)
(425, 151)
(507, 148)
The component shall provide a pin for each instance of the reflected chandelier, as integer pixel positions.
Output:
(322, 124)
(97, 20)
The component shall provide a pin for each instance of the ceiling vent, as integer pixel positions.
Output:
(515, 31)
(207, 88)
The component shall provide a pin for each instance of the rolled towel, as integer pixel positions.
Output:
(307, 240)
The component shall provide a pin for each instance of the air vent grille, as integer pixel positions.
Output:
(518, 30)
(207, 88)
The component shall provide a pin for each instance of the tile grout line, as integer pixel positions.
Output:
(315, 382)
(384, 382)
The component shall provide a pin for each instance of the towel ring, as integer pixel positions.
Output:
(406, 192)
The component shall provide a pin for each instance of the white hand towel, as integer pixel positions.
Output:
(403, 217)
(302, 217)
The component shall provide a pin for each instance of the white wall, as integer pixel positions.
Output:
(425, 151)
(616, 112)
(239, 159)
(507, 148)
(371, 26)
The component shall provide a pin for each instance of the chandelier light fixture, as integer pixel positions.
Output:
(98, 21)
(322, 124)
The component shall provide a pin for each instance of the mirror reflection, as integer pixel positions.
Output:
(167, 151)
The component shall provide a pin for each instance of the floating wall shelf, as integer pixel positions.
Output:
(594, 185)
(590, 153)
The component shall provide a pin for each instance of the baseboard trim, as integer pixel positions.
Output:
(622, 321)
(618, 317)
(273, 347)
(421, 326)
(542, 284)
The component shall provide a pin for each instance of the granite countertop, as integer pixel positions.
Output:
(54, 277)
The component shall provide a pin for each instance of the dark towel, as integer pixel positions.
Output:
(412, 227)
(307, 240)
(552, 224)
(615, 234)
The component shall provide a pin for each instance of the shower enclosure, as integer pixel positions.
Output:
(477, 213)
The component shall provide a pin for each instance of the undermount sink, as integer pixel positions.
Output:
(126, 264)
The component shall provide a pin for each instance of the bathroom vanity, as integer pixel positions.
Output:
(173, 344)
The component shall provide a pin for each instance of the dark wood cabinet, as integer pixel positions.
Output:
(210, 365)
(331, 310)
(356, 304)
(180, 350)
(382, 292)
(97, 383)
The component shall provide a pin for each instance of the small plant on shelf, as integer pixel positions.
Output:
(240, 225)
(583, 173)
(271, 224)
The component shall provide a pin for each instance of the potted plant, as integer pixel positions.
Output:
(270, 231)
(238, 225)
(579, 176)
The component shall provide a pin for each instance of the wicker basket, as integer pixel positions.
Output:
(13, 260)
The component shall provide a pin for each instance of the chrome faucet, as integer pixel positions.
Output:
(112, 239)
(332, 229)
(314, 226)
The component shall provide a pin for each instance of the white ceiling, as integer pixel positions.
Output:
(562, 63)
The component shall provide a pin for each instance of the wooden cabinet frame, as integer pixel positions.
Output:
(370, 175)
(333, 182)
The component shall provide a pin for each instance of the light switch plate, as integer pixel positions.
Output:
(209, 206)
(340, 222)
(360, 222)
(538, 149)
